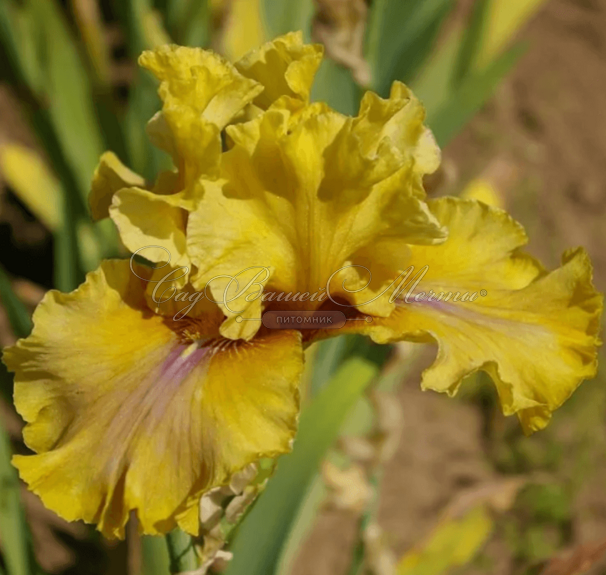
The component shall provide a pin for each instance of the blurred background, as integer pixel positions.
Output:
(514, 91)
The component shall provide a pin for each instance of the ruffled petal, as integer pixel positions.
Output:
(534, 333)
(200, 80)
(128, 410)
(308, 197)
(151, 225)
(284, 67)
(194, 144)
(110, 176)
(202, 93)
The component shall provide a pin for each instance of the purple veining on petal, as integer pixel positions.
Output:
(459, 309)
(442, 306)
(144, 406)
(173, 373)
(176, 367)
(488, 317)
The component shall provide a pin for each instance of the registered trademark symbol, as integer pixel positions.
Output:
(483, 293)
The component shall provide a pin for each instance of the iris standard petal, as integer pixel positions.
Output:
(201, 94)
(310, 197)
(200, 80)
(284, 67)
(151, 226)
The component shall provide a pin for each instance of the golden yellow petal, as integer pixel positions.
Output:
(284, 67)
(307, 197)
(202, 93)
(395, 127)
(110, 176)
(535, 333)
(201, 80)
(128, 410)
(151, 226)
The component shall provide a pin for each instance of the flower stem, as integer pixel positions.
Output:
(181, 552)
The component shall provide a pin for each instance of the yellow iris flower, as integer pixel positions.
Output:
(130, 407)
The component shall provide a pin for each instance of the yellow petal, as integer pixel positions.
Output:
(195, 147)
(110, 176)
(285, 67)
(534, 333)
(200, 80)
(396, 126)
(193, 143)
(305, 198)
(127, 412)
(202, 93)
(151, 226)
